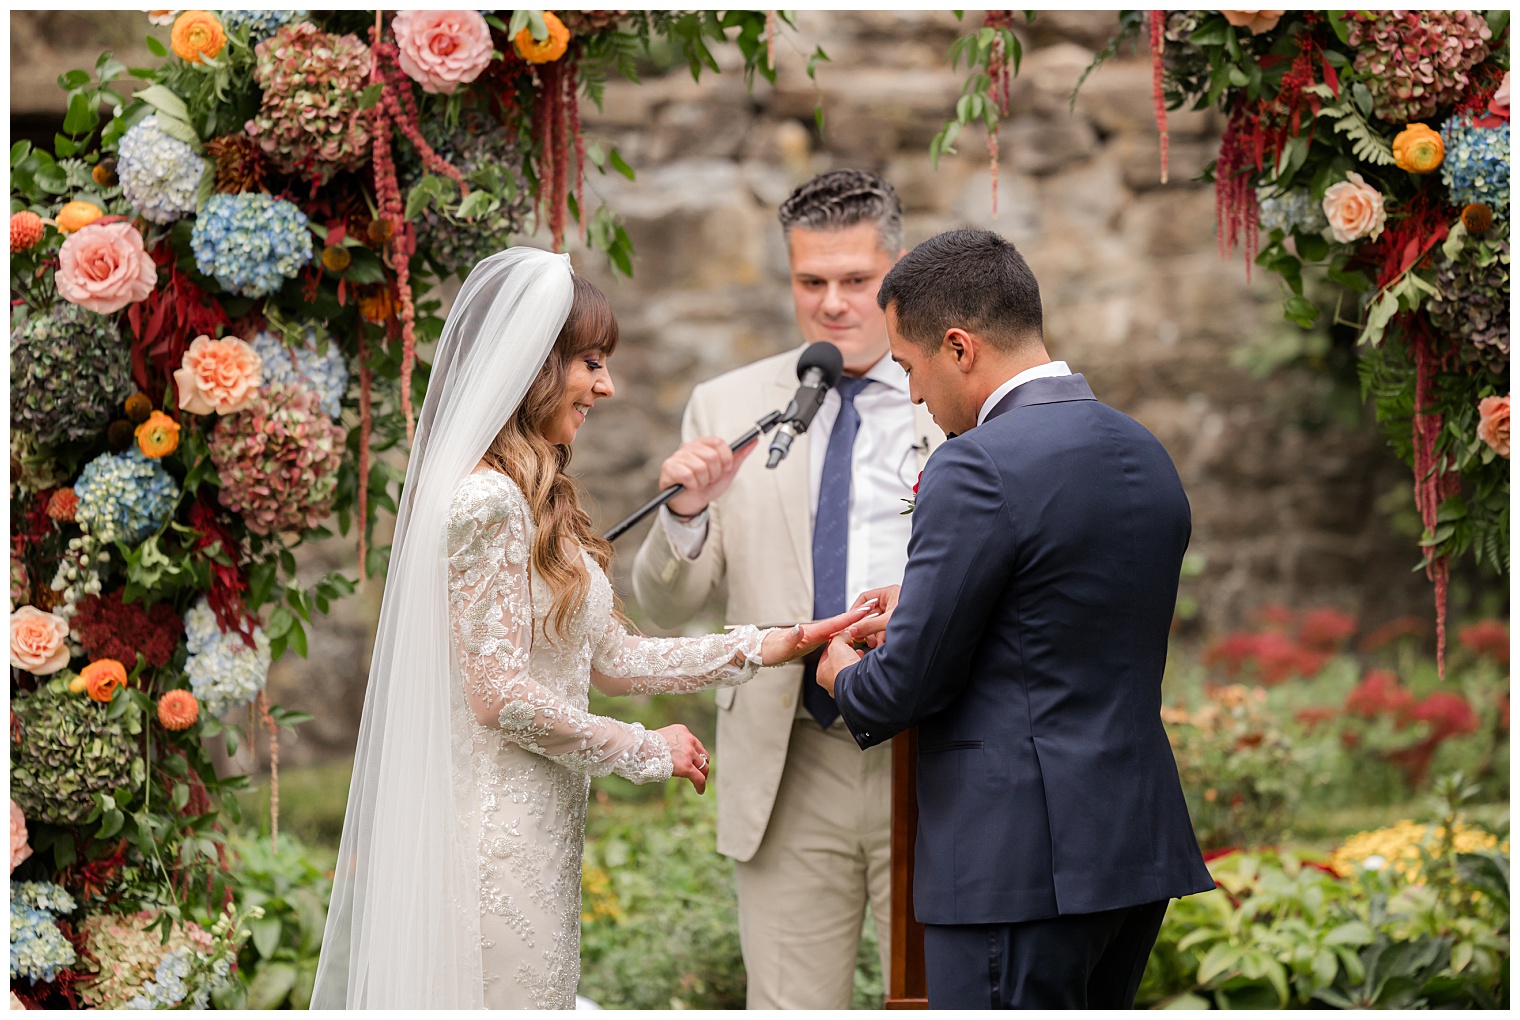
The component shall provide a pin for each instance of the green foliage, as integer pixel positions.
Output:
(278, 965)
(1283, 933)
(659, 922)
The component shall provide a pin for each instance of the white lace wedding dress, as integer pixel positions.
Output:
(532, 743)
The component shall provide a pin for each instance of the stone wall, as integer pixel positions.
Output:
(1135, 293)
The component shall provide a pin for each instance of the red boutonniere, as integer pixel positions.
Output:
(914, 501)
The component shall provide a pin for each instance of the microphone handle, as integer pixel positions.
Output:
(757, 430)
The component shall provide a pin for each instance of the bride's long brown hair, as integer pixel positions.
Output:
(521, 451)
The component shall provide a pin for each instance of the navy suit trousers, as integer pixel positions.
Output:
(1075, 961)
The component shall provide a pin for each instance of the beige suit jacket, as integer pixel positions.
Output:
(760, 540)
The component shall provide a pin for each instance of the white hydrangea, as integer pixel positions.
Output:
(224, 672)
(159, 174)
(303, 365)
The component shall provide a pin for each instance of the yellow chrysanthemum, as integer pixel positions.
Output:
(1399, 847)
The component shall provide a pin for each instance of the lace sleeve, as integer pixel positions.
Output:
(490, 610)
(624, 663)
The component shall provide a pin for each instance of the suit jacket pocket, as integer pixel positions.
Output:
(725, 696)
(953, 745)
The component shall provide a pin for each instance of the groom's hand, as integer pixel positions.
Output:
(705, 466)
(873, 629)
(837, 656)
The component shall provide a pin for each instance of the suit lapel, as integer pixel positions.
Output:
(791, 483)
(1049, 390)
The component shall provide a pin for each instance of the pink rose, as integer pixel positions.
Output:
(1355, 209)
(104, 267)
(19, 849)
(1493, 423)
(441, 50)
(218, 375)
(38, 641)
(1257, 21)
(1499, 105)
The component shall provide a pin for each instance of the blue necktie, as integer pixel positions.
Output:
(831, 539)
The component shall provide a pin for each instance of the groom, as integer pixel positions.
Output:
(1027, 643)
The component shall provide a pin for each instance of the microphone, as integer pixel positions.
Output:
(818, 371)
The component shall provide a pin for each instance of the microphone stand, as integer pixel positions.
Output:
(759, 429)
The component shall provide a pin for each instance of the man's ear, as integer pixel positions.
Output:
(962, 347)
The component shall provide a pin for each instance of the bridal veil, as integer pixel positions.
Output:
(403, 929)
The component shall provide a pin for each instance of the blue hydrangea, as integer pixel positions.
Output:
(168, 989)
(224, 673)
(260, 24)
(1294, 210)
(251, 243)
(159, 174)
(326, 374)
(38, 949)
(124, 497)
(1476, 168)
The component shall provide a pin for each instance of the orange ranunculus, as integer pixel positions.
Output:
(197, 34)
(158, 436)
(1257, 21)
(1418, 149)
(178, 710)
(1493, 423)
(544, 51)
(75, 215)
(102, 677)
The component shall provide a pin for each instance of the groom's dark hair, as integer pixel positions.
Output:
(973, 279)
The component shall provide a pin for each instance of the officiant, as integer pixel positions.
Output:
(802, 810)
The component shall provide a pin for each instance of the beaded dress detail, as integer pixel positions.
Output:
(533, 744)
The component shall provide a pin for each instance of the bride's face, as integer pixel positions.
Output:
(587, 381)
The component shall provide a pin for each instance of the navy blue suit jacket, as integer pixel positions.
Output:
(1028, 647)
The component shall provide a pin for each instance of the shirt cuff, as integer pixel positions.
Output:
(688, 537)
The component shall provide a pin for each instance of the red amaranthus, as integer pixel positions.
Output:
(225, 598)
(397, 108)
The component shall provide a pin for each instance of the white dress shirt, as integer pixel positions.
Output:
(1046, 371)
(883, 470)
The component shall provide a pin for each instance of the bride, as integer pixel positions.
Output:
(458, 876)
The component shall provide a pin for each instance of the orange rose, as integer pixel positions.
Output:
(197, 34)
(39, 642)
(178, 710)
(102, 677)
(76, 215)
(158, 436)
(1493, 423)
(1354, 209)
(218, 375)
(1257, 21)
(1418, 149)
(548, 50)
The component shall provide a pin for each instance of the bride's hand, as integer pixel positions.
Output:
(783, 644)
(688, 758)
